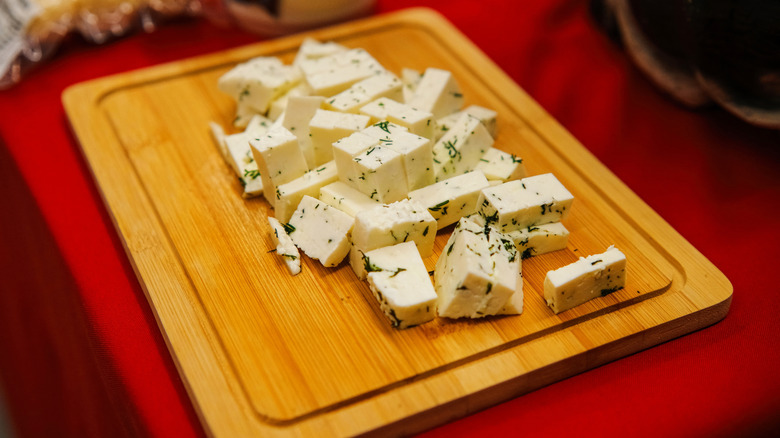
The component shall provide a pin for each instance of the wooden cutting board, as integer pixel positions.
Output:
(265, 353)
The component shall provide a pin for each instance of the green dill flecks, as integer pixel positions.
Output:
(396, 322)
(251, 173)
(436, 161)
(397, 271)
(271, 250)
(433, 272)
(532, 228)
(244, 93)
(451, 151)
(508, 244)
(383, 126)
(321, 169)
(370, 150)
(449, 250)
(597, 261)
(457, 95)
(288, 228)
(605, 292)
(439, 206)
(373, 193)
(516, 159)
(484, 160)
(527, 253)
(548, 207)
(290, 256)
(425, 231)
(493, 218)
(489, 288)
(278, 194)
(369, 267)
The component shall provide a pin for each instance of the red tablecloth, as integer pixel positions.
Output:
(81, 355)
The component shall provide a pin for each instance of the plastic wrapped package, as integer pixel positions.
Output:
(30, 30)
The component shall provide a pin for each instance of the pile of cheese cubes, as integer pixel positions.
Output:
(364, 165)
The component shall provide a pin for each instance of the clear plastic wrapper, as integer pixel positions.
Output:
(31, 30)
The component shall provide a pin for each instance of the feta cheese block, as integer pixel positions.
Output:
(400, 282)
(415, 121)
(279, 105)
(285, 248)
(258, 81)
(451, 199)
(461, 148)
(540, 239)
(312, 49)
(498, 165)
(477, 272)
(514, 306)
(347, 148)
(384, 84)
(288, 195)
(321, 231)
(518, 204)
(437, 92)
(416, 152)
(390, 224)
(410, 79)
(296, 118)
(486, 116)
(589, 277)
(326, 127)
(238, 154)
(346, 198)
(332, 74)
(279, 159)
(379, 173)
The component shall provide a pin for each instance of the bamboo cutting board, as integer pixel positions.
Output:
(265, 353)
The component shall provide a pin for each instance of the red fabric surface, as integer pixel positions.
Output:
(80, 353)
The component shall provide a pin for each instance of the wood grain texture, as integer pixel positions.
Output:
(264, 353)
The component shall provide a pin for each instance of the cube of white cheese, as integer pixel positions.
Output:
(400, 282)
(589, 277)
(347, 148)
(379, 173)
(258, 81)
(312, 49)
(300, 111)
(451, 199)
(437, 92)
(384, 84)
(540, 239)
(279, 159)
(321, 231)
(518, 204)
(498, 165)
(485, 115)
(237, 153)
(326, 127)
(415, 151)
(288, 195)
(410, 78)
(332, 74)
(279, 105)
(346, 198)
(285, 247)
(477, 272)
(390, 224)
(416, 121)
(461, 148)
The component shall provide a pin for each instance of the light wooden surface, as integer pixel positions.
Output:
(264, 353)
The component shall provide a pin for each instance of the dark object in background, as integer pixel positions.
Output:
(700, 51)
